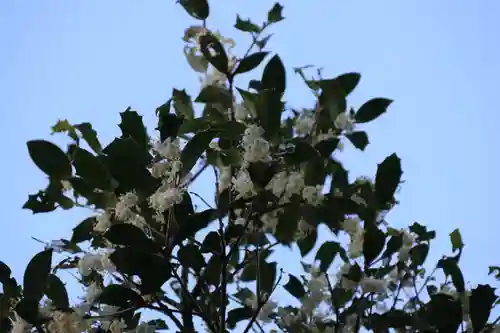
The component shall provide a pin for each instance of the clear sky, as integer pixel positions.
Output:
(89, 60)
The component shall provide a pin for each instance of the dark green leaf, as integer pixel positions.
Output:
(267, 276)
(274, 75)
(251, 62)
(307, 243)
(418, 254)
(4, 272)
(90, 168)
(195, 223)
(183, 210)
(450, 268)
(56, 291)
(190, 256)
(393, 245)
(154, 270)
(198, 9)
(127, 235)
(214, 52)
(422, 232)
(36, 275)
(168, 124)
(326, 254)
(481, 303)
(194, 149)
(372, 109)
(133, 126)
(63, 126)
(261, 43)
(118, 295)
(194, 126)
(301, 152)
(294, 287)
(359, 139)
(90, 136)
(261, 173)
(83, 231)
(135, 176)
(373, 244)
(444, 313)
(246, 25)
(159, 324)
(288, 223)
(275, 14)
(212, 94)
(456, 240)
(327, 147)
(183, 105)
(348, 82)
(40, 203)
(212, 243)
(50, 159)
(387, 180)
(315, 172)
(234, 316)
(28, 309)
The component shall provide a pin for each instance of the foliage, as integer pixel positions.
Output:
(278, 180)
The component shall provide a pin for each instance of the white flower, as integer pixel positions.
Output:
(213, 78)
(278, 183)
(103, 222)
(117, 326)
(159, 169)
(252, 133)
(243, 184)
(162, 200)
(106, 262)
(169, 149)
(317, 284)
(63, 322)
(19, 325)
(355, 249)
(351, 225)
(313, 194)
(408, 238)
(124, 204)
(404, 254)
(372, 285)
(107, 310)
(287, 317)
(240, 221)
(269, 222)
(93, 291)
(295, 183)
(224, 178)
(214, 145)
(89, 262)
(145, 328)
(138, 221)
(240, 112)
(304, 124)
(66, 185)
(344, 122)
(258, 150)
(358, 199)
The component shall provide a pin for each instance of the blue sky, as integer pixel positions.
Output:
(89, 60)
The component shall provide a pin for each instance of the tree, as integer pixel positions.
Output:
(278, 179)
